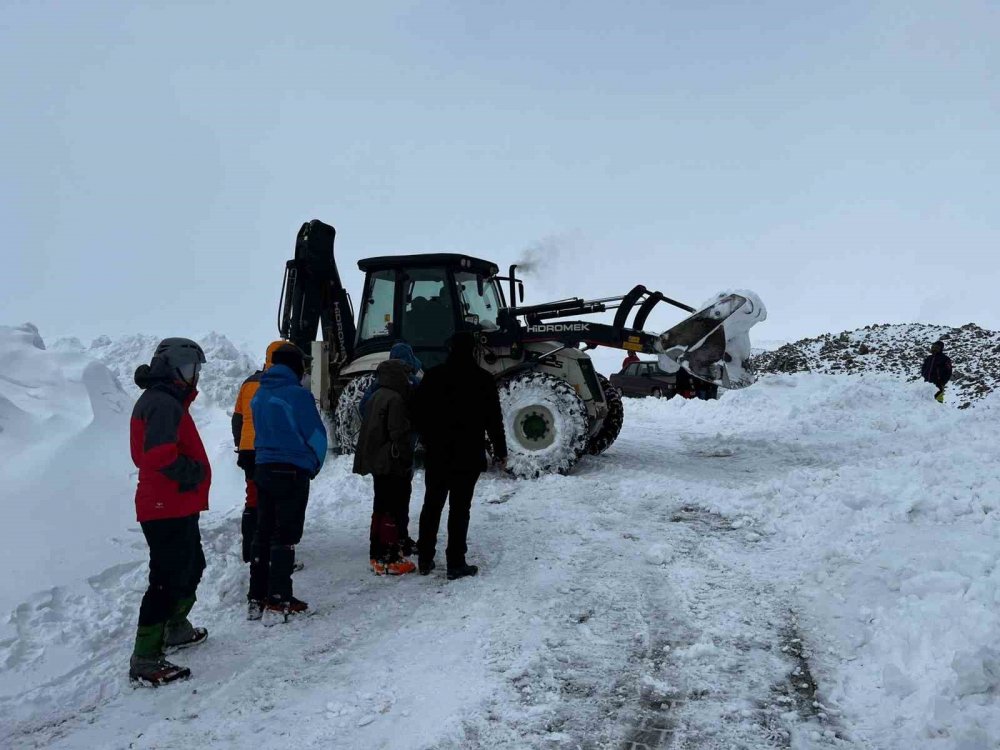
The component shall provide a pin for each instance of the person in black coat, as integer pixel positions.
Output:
(937, 369)
(385, 450)
(454, 407)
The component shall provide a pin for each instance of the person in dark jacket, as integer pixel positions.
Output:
(937, 369)
(290, 446)
(414, 372)
(385, 450)
(243, 439)
(172, 491)
(454, 407)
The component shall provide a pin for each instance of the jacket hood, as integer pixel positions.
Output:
(404, 352)
(392, 374)
(158, 371)
(278, 376)
(271, 349)
(146, 379)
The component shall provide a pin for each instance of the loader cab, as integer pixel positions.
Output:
(423, 300)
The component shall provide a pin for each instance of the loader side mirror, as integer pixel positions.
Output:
(520, 290)
(480, 286)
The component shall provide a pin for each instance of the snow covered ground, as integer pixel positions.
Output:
(809, 563)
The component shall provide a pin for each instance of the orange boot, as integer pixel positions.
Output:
(401, 567)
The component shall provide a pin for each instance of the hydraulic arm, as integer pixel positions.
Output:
(313, 297)
(712, 343)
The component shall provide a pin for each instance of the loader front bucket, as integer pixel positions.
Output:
(714, 343)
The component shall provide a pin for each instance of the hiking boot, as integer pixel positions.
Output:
(425, 566)
(377, 566)
(407, 547)
(461, 571)
(255, 609)
(154, 671)
(278, 611)
(182, 635)
(400, 567)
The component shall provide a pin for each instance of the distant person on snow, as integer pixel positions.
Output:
(937, 369)
(243, 438)
(174, 479)
(454, 407)
(290, 445)
(630, 359)
(385, 450)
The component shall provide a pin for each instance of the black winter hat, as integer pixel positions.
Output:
(290, 356)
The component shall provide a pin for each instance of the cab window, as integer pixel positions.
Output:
(485, 304)
(428, 308)
(377, 310)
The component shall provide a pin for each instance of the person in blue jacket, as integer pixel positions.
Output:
(290, 445)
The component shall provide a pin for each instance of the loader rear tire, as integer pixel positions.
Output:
(546, 424)
(347, 416)
(612, 423)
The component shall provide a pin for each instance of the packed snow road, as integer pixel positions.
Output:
(717, 580)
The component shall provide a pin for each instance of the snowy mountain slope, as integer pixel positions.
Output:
(66, 481)
(223, 373)
(897, 350)
(687, 589)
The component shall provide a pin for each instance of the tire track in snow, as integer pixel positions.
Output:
(605, 615)
(718, 662)
(725, 668)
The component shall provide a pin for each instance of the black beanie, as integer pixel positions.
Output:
(290, 356)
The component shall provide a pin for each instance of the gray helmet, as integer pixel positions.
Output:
(173, 354)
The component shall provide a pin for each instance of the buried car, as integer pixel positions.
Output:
(647, 379)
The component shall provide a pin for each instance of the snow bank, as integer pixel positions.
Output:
(853, 516)
(886, 509)
(67, 480)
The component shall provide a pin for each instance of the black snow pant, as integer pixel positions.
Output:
(248, 521)
(457, 488)
(390, 516)
(176, 562)
(282, 495)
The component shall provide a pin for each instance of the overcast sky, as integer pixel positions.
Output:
(841, 159)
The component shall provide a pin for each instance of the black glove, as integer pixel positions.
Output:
(187, 472)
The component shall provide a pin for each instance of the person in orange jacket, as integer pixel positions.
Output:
(243, 439)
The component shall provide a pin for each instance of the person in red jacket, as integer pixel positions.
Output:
(174, 479)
